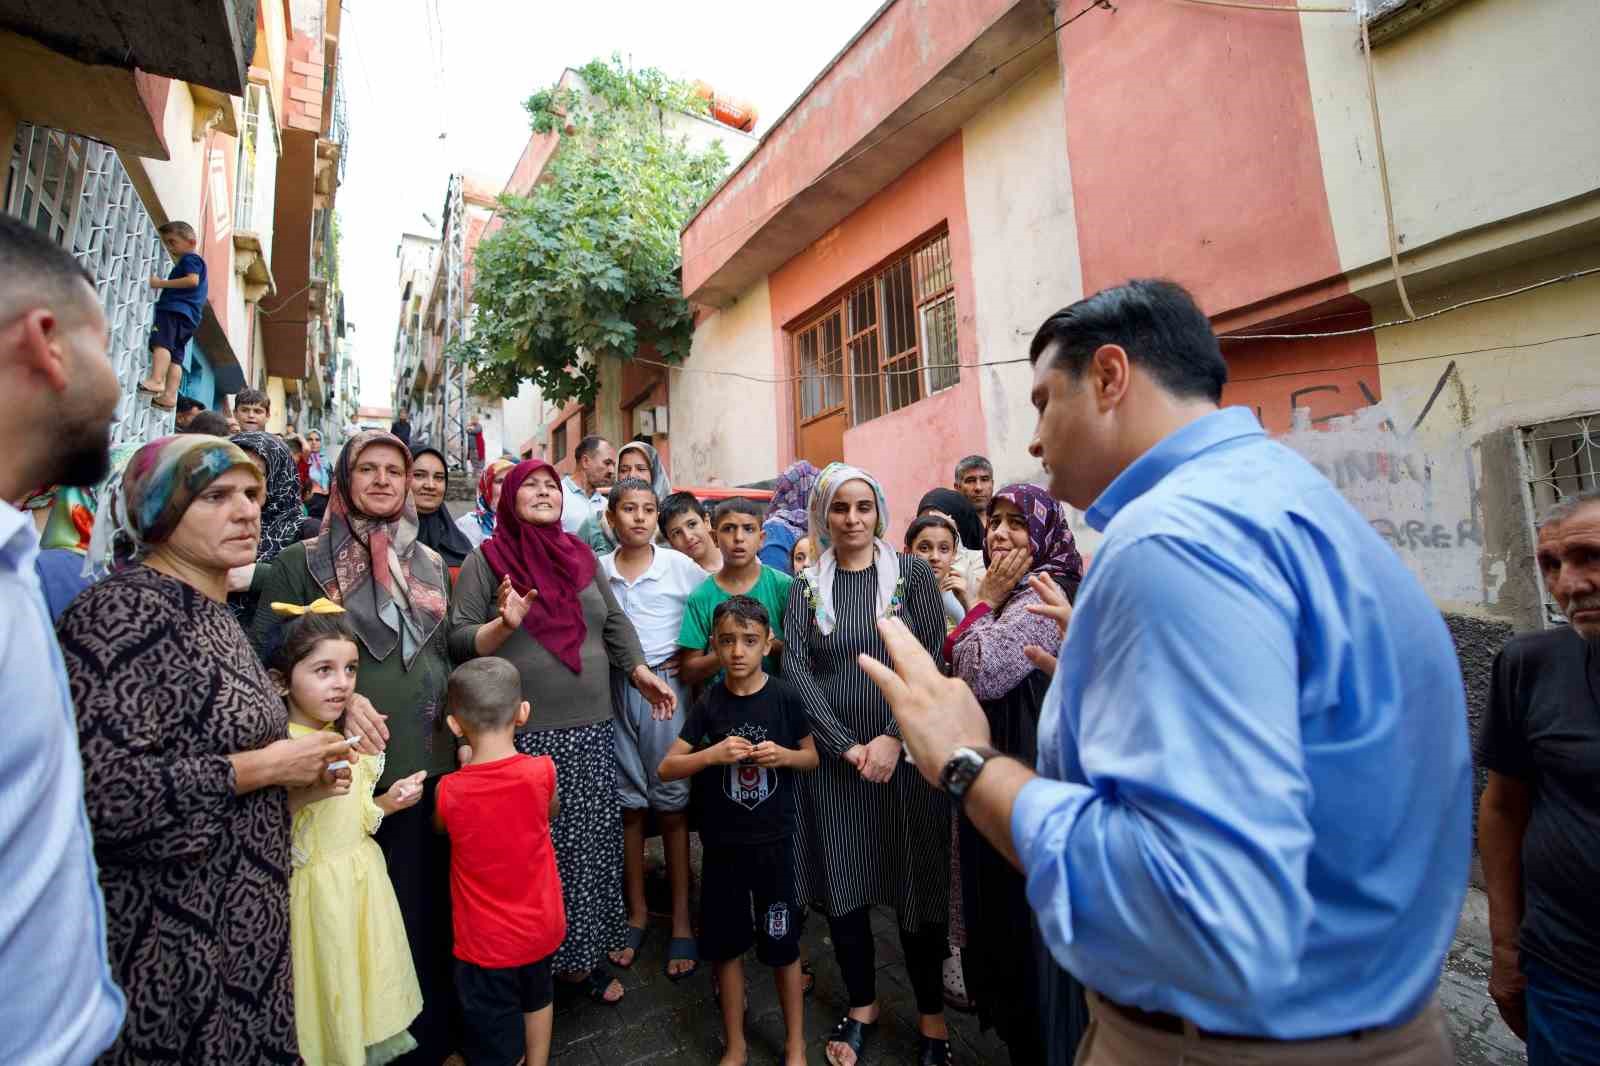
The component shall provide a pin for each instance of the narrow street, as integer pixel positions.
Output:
(879, 447)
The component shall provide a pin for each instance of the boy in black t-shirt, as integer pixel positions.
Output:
(743, 742)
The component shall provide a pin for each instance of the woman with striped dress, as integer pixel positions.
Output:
(881, 833)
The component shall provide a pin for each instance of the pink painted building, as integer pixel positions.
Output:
(869, 278)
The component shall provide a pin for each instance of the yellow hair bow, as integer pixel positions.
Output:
(321, 605)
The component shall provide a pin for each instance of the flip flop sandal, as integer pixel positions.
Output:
(955, 985)
(681, 949)
(593, 986)
(931, 1052)
(158, 405)
(633, 941)
(852, 1034)
(147, 391)
(808, 979)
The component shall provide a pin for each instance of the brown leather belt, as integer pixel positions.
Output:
(1163, 1022)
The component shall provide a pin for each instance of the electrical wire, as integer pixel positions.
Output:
(1291, 9)
(766, 380)
(767, 214)
(1573, 276)
(1383, 172)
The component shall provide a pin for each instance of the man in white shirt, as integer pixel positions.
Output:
(585, 496)
(60, 1003)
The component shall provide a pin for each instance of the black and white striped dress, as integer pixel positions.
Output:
(870, 844)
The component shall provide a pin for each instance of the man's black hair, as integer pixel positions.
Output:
(1156, 322)
(625, 486)
(738, 505)
(676, 506)
(34, 266)
(743, 609)
(586, 447)
(187, 404)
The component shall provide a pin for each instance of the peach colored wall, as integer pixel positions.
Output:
(915, 448)
(895, 57)
(1194, 154)
(1330, 376)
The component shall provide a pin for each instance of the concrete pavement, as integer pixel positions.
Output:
(666, 1024)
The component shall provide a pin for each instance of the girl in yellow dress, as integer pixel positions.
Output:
(355, 991)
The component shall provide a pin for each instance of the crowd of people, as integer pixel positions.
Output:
(307, 770)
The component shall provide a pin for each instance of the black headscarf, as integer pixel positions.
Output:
(960, 510)
(437, 530)
(280, 510)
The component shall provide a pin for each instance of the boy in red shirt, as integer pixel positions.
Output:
(505, 893)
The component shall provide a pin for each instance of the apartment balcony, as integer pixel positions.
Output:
(102, 70)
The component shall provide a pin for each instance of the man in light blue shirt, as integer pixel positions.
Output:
(59, 1004)
(1250, 821)
(585, 497)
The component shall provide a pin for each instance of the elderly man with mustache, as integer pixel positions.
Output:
(1539, 819)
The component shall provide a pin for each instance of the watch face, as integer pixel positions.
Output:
(958, 773)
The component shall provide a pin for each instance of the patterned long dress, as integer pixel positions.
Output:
(196, 878)
(885, 844)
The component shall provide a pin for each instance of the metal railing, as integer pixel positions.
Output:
(76, 191)
(339, 124)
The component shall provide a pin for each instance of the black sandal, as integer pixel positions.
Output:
(632, 941)
(593, 986)
(931, 1052)
(852, 1034)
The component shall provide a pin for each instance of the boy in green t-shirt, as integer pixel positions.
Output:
(737, 524)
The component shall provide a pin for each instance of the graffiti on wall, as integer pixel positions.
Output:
(1418, 487)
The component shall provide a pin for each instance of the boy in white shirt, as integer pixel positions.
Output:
(653, 585)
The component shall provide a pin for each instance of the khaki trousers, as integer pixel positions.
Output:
(1114, 1040)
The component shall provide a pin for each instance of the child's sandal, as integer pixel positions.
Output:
(931, 1052)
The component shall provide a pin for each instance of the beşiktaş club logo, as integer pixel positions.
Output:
(747, 784)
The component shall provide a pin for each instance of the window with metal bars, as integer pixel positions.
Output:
(886, 342)
(558, 443)
(1560, 459)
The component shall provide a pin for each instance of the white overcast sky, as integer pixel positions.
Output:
(495, 54)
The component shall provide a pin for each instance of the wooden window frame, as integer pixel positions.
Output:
(558, 443)
(891, 298)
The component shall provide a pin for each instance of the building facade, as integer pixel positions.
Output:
(871, 276)
(103, 150)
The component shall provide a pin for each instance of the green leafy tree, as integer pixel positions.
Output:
(588, 262)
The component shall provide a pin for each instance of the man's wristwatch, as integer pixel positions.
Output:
(963, 768)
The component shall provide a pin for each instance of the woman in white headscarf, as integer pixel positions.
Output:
(882, 833)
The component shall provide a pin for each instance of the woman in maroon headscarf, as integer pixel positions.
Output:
(534, 595)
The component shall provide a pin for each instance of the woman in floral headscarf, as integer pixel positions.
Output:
(395, 592)
(478, 524)
(786, 515)
(187, 764)
(882, 833)
(1027, 538)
